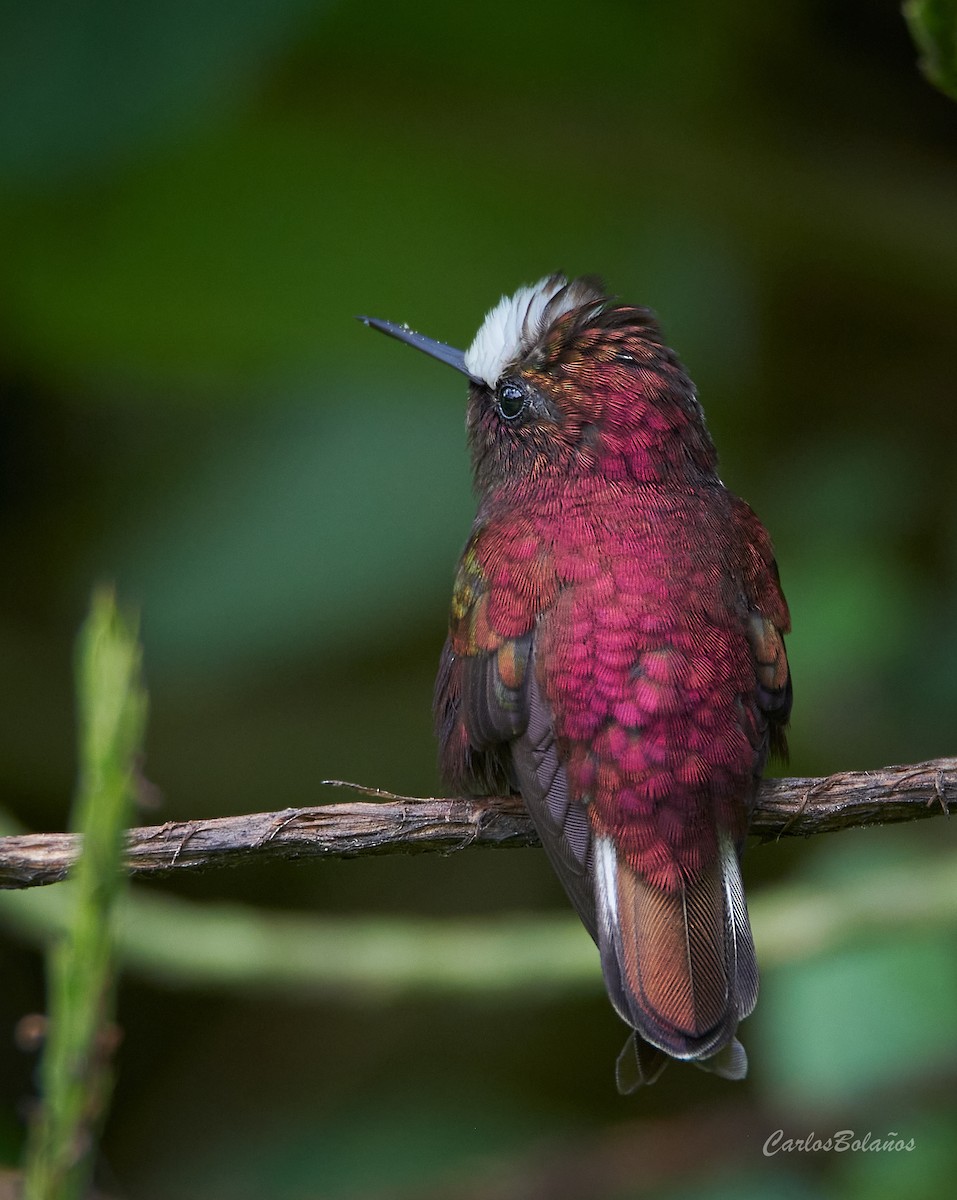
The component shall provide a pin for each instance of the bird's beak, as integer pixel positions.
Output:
(447, 354)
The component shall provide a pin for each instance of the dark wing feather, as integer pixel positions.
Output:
(469, 768)
(768, 620)
(495, 729)
(479, 704)
(561, 821)
(500, 733)
(773, 694)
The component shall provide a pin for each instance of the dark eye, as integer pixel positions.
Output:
(510, 400)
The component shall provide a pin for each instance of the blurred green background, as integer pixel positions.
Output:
(195, 198)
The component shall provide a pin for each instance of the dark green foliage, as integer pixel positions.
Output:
(933, 24)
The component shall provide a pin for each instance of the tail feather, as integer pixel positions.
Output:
(679, 963)
(742, 958)
(640, 1064)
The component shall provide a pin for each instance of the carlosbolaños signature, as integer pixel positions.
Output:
(841, 1141)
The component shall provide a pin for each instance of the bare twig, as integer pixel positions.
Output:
(393, 823)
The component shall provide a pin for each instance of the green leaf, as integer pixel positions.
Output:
(933, 26)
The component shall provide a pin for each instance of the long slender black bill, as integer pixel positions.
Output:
(447, 354)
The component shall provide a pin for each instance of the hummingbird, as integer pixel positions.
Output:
(616, 653)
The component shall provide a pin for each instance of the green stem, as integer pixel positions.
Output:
(75, 1072)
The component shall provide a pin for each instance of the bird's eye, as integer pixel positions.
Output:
(510, 400)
